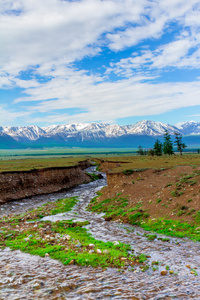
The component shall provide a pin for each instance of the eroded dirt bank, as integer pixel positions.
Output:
(172, 193)
(22, 184)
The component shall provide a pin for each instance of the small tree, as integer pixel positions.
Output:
(167, 145)
(158, 148)
(151, 152)
(178, 142)
(140, 151)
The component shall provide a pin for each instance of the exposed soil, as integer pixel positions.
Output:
(23, 184)
(165, 193)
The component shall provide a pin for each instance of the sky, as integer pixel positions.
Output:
(111, 61)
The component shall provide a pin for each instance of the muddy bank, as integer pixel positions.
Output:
(23, 184)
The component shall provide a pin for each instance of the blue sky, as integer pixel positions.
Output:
(113, 61)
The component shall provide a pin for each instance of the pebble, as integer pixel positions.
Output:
(72, 262)
(91, 246)
(116, 243)
(187, 266)
(106, 251)
(99, 251)
(163, 272)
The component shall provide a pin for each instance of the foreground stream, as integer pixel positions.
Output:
(24, 276)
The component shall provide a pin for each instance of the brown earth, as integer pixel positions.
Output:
(162, 193)
(22, 184)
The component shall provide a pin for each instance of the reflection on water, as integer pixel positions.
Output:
(30, 277)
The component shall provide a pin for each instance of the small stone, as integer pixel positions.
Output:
(163, 272)
(46, 254)
(66, 249)
(106, 251)
(98, 251)
(123, 258)
(91, 246)
(116, 243)
(72, 262)
(26, 239)
(91, 251)
(192, 272)
(36, 285)
(78, 245)
(188, 266)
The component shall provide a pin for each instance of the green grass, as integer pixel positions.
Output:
(50, 208)
(94, 176)
(68, 251)
(172, 228)
(66, 241)
(116, 208)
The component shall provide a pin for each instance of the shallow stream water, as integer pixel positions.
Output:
(23, 276)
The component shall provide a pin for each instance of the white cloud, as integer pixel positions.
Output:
(53, 31)
(9, 117)
(48, 36)
(106, 101)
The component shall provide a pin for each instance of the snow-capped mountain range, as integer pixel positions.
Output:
(99, 130)
(79, 132)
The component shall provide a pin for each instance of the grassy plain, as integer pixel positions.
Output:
(38, 163)
(122, 163)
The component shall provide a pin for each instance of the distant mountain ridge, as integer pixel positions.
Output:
(83, 134)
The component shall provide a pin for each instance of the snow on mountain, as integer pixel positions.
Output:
(24, 133)
(75, 127)
(150, 128)
(81, 131)
(189, 128)
(97, 131)
(115, 130)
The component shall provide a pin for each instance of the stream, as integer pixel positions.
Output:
(24, 276)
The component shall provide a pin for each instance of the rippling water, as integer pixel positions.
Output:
(24, 276)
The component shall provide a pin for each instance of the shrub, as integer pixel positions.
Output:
(128, 172)
(135, 218)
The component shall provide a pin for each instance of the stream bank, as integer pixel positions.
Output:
(22, 184)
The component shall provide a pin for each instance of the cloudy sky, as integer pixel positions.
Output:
(113, 61)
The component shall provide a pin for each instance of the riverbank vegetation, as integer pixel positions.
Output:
(66, 241)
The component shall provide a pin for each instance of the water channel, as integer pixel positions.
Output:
(24, 276)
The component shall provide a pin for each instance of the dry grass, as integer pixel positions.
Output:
(38, 163)
(119, 164)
